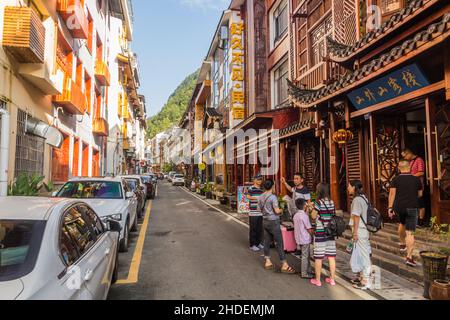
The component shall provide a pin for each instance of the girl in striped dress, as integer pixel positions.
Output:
(324, 245)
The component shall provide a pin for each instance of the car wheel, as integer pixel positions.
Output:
(115, 275)
(134, 227)
(125, 242)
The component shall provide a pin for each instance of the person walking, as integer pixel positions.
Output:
(418, 170)
(302, 232)
(268, 204)
(404, 194)
(324, 245)
(360, 261)
(255, 215)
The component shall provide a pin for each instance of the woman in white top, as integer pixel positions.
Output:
(361, 261)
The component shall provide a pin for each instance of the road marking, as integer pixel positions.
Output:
(344, 283)
(133, 273)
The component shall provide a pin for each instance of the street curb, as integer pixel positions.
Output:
(341, 279)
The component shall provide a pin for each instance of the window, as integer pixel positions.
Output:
(280, 87)
(216, 78)
(390, 6)
(94, 221)
(280, 21)
(29, 150)
(20, 241)
(226, 70)
(91, 190)
(318, 41)
(77, 236)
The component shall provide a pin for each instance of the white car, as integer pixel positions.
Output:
(111, 198)
(55, 249)
(178, 180)
(170, 177)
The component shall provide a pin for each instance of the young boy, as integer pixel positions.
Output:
(303, 231)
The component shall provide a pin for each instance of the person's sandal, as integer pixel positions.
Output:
(269, 267)
(288, 270)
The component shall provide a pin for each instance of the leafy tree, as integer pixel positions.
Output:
(171, 113)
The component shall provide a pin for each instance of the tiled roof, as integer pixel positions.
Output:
(296, 128)
(213, 113)
(301, 97)
(341, 51)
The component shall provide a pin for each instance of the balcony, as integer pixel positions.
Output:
(204, 93)
(24, 34)
(321, 74)
(100, 127)
(72, 98)
(72, 12)
(102, 73)
(125, 113)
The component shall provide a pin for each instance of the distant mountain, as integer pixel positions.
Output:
(170, 115)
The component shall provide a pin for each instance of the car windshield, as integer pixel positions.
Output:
(91, 190)
(133, 183)
(179, 176)
(146, 179)
(20, 241)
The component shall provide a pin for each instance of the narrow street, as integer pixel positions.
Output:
(192, 251)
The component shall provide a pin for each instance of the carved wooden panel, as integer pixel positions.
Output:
(344, 15)
(443, 132)
(388, 155)
(354, 157)
(310, 162)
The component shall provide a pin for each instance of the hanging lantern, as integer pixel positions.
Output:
(342, 136)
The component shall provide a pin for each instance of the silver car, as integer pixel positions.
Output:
(111, 198)
(55, 249)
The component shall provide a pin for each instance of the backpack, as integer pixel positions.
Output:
(374, 218)
(336, 227)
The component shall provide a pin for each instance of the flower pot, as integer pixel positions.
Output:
(440, 290)
(434, 268)
(202, 192)
(209, 195)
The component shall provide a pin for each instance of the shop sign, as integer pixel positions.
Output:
(395, 84)
(237, 69)
(242, 201)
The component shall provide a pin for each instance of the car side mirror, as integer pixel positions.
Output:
(114, 225)
(129, 195)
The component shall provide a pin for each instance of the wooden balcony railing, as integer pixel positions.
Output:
(24, 34)
(72, 98)
(72, 12)
(321, 74)
(100, 127)
(102, 73)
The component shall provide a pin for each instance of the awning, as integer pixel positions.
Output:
(39, 128)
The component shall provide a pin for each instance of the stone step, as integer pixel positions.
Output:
(390, 262)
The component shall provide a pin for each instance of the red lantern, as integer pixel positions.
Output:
(342, 136)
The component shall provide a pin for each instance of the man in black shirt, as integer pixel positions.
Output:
(404, 195)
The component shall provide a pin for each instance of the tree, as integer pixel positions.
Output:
(171, 113)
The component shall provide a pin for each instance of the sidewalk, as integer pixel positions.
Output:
(390, 286)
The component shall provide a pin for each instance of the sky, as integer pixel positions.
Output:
(171, 38)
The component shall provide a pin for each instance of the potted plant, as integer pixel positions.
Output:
(208, 191)
(233, 202)
(29, 186)
(202, 189)
(435, 262)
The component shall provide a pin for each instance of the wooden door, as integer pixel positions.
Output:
(438, 156)
(76, 158)
(60, 162)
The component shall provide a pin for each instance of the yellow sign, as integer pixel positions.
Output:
(237, 70)
(202, 167)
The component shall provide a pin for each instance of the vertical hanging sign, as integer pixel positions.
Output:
(237, 68)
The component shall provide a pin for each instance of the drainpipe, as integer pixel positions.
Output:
(4, 152)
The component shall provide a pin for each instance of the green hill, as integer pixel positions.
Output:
(174, 108)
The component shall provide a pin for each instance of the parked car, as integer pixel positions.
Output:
(140, 189)
(178, 180)
(55, 249)
(151, 185)
(111, 198)
(171, 174)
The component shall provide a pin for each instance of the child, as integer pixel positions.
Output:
(303, 231)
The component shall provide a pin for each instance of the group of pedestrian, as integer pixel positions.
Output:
(311, 219)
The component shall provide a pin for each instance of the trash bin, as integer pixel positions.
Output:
(434, 268)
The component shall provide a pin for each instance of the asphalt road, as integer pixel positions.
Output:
(193, 252)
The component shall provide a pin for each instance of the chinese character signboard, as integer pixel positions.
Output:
(395, 84)
(237, 94)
